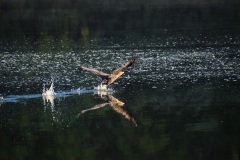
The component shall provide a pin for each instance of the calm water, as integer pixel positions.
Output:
(181, 98)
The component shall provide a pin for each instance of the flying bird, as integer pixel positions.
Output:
(108, 79)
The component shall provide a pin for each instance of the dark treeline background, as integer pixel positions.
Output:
(84, 18)
(103, 4)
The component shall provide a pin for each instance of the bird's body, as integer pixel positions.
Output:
(108, 79)
(101, 87)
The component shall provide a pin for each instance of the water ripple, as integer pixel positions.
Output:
(158, 61)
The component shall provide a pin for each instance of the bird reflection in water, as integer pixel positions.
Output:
(114, 103)
(1, 100)
(49, 100)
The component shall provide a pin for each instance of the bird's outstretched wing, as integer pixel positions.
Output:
(114, 101)
(125, 65)
(118, 72)
(93, 108)
(94, 71)
(117, 106)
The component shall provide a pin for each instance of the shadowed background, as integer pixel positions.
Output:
(82, 18)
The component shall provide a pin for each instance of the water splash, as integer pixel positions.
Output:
(50, 91)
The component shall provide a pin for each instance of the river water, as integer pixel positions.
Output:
(180, 100)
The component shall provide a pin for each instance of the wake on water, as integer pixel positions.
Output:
(51, 93)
